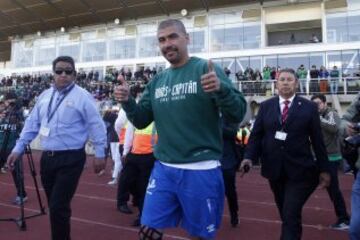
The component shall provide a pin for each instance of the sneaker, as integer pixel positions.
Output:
(113, 182)
(17, 200)
(343, 225)
(125, 209)
(3, 170)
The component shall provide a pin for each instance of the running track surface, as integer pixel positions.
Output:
(95, 216)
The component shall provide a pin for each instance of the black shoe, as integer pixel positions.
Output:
(136, 223)
(125, 209)
(234, 221)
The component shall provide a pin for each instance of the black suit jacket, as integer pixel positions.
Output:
(292, 157)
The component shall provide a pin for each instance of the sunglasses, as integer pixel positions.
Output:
(67, 72)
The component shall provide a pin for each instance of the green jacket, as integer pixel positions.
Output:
(352, 115)
(330, 126)
(187, 119)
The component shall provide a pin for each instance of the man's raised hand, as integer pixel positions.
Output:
(122, 91)
(209, 81)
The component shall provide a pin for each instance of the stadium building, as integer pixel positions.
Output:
(103, 35)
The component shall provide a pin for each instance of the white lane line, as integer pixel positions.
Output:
(82, 220)
(261, 220)
(112, 200)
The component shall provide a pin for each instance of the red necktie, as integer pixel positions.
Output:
(285, 111)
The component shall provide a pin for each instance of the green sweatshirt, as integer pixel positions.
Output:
(187, 119)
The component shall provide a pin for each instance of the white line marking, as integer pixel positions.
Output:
(82, 220)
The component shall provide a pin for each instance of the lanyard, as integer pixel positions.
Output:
(51, 114)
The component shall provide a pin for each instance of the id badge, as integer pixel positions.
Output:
(44, 131)
(280, 135)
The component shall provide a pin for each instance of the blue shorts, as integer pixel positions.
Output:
(194, 198)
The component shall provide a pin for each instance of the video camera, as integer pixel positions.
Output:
(354, 141)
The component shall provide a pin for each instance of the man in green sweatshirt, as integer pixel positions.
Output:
(185, 101)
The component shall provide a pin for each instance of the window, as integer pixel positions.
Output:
(122, 48)
(337, 28)
(94, 51)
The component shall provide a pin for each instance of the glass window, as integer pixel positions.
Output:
(70, 50)
(197, 41)
(122, 48)
(333, 59)
(317, 59)
(94, 51)
(233, 37)
(148, 46)
(243, 63)
(337, 28)
(22, 54)
(252, 35)
(217, 39)
(350, 61)
(255, 63)
(271, 61)
(294, 61)
(45, 55)
(354, 26)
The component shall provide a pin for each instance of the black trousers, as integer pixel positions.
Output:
(136, 171)
(230, 190)
(335, 193)
(290, 197)
(60, 174)
(18, 177)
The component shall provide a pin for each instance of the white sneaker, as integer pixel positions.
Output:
(113, 182)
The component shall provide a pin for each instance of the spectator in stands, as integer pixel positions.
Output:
(195, 164)
(227, 71)
(314, 78)
(323, 75)
(128, 74)
(330, 126)
(65, 116)
(249, 74)
(292, 39)
(302, 76)
(314, 38)
(278, 69)
(273, 73)
(266, 72)
(334, 80)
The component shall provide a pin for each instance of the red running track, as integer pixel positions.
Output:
(95, 216)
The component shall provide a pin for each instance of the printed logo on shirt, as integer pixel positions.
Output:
(177, 92)
(210, 228)
(151, 186)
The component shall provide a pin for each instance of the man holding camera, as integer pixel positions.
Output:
(11, 121)
(351, 120)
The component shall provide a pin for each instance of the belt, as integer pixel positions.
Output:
(60, 152)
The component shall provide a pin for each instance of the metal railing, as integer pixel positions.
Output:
(345, 85)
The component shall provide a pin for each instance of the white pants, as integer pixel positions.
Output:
(115, 155)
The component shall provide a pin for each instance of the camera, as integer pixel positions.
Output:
(354, 141)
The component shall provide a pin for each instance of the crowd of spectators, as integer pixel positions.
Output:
(28, 87)
(319, 80)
